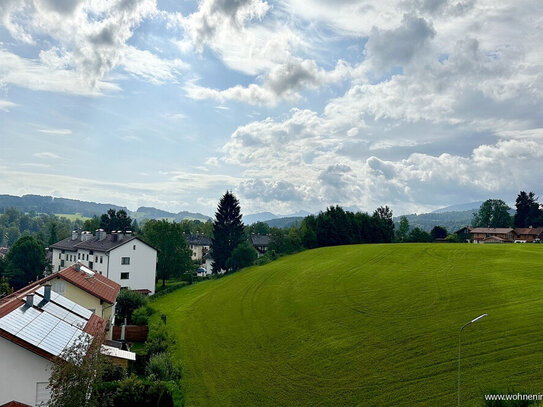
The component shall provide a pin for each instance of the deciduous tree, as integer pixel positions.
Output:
(438, 232)
(493, 213)
(115, 220)
(26, 261)
(174, 256)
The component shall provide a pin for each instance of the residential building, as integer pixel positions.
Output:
(200, 245)
(529, 235)
(493, 235)
(36, 325)
(121, 257)
(260, 243)
(87, 288)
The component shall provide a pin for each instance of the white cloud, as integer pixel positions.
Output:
(61, 132)
(46, 154)
(5, 105)
(82, 43)
(150, 67)
(37, 76)
(283, 82)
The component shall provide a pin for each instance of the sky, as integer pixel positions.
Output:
(291, 104)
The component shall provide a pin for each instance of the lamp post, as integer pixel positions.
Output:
(459, 339)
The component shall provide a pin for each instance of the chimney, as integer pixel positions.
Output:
(30, 300)
(128, 233)
(101, 234)
(119, 235)
(47, 292)
(75, 234)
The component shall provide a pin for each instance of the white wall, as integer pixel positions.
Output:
(142, 267)
(20, 371)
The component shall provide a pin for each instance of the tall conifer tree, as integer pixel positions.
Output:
(227, 231)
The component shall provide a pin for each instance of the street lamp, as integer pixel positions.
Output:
(459, 339)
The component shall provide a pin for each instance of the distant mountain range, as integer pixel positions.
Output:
(52, 205)
(268, 216)
(471, 206)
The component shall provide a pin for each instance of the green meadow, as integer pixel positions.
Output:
(367, 325)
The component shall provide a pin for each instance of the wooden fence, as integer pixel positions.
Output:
(132, 333)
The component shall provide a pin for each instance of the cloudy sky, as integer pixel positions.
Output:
(292, 104)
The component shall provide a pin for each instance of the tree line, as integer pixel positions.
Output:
(495, 213)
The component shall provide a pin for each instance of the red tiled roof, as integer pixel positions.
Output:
(497, 239)
(529, 231)
(14, 404)
(492, 230)
(97, 285)
(95, 326)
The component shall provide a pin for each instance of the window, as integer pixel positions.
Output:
(62, 263)
(60, 256)
(91, 265)
(96, 259)
(43, 394)
(125, 276)
(125, 260)
(101, 259)
(91, 252)
(87, 256)
(58, 286)
(78, 256)
(134, 247)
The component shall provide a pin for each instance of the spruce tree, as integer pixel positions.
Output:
(227, 231)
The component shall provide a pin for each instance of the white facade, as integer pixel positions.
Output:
(132, 264)
(140, 272)
(24, 375)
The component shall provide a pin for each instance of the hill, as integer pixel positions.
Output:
(363, 325)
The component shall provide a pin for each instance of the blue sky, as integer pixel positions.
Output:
(293, 105)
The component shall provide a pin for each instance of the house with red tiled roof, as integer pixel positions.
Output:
(493, 235)
(36, 325)
(529, 235)
(119, 256)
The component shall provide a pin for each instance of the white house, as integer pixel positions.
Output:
(199, 245)
(121, 257)
(36, 325)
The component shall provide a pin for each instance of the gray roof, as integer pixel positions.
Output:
(260, 240)
(104, 245)
(198, 240)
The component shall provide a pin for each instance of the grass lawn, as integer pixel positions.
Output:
(363, 325)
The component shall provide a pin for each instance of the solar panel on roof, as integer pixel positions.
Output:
(54, 309)
(18, 319)
(38, 329)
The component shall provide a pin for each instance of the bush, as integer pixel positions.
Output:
(141, 315)
(135, 392)
(158, 340)
(128, 301)
(161, 367)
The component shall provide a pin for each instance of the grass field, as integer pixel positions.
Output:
(72, 216)
(364, 325)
